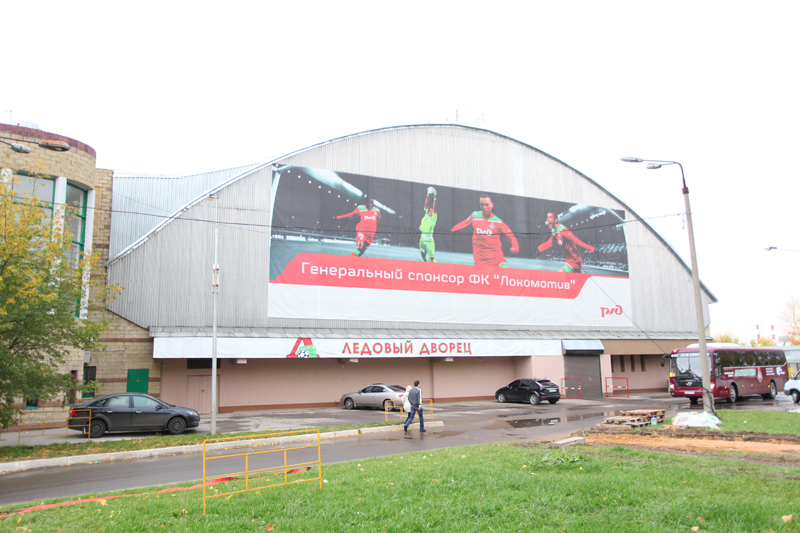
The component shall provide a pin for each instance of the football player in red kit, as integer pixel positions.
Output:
(487, 250)
(368, 216)
(562, 236)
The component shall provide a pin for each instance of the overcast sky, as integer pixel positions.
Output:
(178, 88)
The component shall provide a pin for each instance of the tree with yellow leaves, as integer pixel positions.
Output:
(46, 292)
(791, 320)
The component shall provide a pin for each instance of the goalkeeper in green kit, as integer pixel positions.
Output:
(427, 246)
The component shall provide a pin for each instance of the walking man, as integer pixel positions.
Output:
(415, 399)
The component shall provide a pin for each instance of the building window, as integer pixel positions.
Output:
(642, 363)
(195, 364)
(89, 374)
(622, 363)
(31, 404)
(43, 189)
(633, 363)
(76, 220)
(46, 190)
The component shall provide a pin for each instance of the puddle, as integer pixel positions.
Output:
(532, 422)
(447, 433)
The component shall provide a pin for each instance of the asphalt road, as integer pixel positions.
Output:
(465, 423)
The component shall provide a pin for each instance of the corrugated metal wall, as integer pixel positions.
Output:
(169, 276)
(140, 203)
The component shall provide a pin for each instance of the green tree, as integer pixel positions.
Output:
(44, 286)
(726, 338)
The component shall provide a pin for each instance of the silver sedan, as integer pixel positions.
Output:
(376, 396)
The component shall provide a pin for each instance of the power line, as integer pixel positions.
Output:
(177, 216)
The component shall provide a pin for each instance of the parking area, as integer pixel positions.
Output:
(491, 414)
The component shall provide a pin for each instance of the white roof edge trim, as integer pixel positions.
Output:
(143, 239)
(156, 176)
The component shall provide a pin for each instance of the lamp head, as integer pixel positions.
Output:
(653, 166)
(54, 146)
(631, 159)
(20, 148)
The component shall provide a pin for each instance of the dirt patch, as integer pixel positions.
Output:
(780, 449)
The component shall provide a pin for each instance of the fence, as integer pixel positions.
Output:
(63, 421)
(389, 409)
(572, 382)
(613, 384)
(261, 467)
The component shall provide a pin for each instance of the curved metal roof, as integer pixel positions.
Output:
(239, 173)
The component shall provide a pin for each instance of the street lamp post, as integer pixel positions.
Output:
(705, 370)
(214, 293)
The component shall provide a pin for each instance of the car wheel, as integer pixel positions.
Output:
(553, 402)
(349, 403)
(98, 429)
(796, 396)
(502, 398)
(388, 404)
(773, 391)
(534, 398)
(694, 401)
(176, 426)
(733, 393)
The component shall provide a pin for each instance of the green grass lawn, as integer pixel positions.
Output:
(500, 487)
(759, 421)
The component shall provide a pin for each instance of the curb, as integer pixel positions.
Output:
(14, 466)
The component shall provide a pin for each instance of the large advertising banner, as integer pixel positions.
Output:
(347, 246)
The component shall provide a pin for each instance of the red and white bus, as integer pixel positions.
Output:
(736, 371)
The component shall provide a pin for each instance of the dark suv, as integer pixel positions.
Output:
(529, 390)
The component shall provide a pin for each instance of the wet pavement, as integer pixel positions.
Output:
(452, 424)
(493, 416)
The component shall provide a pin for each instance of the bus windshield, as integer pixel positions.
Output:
(685, 366)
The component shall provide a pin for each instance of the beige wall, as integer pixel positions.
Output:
(273, 383)
(653, 378)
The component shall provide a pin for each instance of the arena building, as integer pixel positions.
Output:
(326, 282)
(444, 253)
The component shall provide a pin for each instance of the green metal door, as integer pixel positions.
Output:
(137, 379)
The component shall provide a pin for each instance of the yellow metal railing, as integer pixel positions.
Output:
(60, 422)
(255, 477)
(396, 412)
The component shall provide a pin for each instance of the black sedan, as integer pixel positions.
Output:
(529, 390)
(131, 412)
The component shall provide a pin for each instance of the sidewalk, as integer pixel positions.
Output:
(14, 466)
(267, 421)
(271, 420)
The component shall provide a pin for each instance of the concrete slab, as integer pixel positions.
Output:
(379, 429)
(12, 466)
(335, 434)
(572, 441)
(39, 463)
